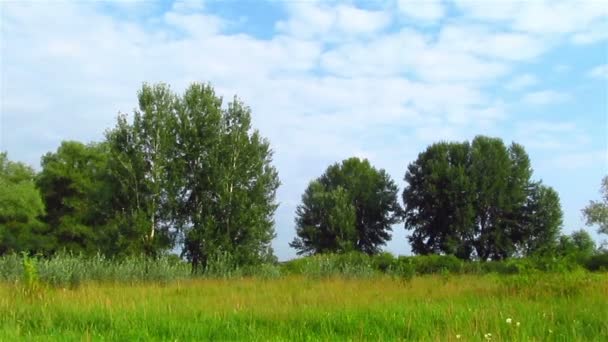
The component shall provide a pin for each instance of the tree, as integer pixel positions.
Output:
(141, 155)
(77, 191)
(540, 223)
(597, 211)
(228, 188)
(578, 243)
(439, 202)
(21, 208)
(324, 221)
(477, 200)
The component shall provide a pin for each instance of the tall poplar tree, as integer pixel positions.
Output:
(142, 153)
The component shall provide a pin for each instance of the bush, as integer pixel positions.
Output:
(384, 262)
(68, 270)
(598, 262)
(324, 265)
(435, 264)
(265, 271)
(402, 269)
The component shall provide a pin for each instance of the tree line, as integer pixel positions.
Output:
(188, 170)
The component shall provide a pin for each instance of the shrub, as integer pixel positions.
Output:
(402, 269)
(598, 262)
(31, 281)
(434, 264)
(384, 262)
(352, 264)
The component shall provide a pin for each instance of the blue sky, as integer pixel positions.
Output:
(326, 80)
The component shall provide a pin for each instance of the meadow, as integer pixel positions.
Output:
(289, 305)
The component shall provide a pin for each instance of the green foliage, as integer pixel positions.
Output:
(579, 244)
(142, 153)
(540, 222)
(78, 190)
(70, 270)
(598, 262)
(596, 212)
(439, 201)
(350, 207)
(477, 201)
(326, 221)
(228, 184)
(404, 269)
(556, 307)
(351, 264)
(188, 168)
(65, 270)
(31, 280)
(434, 264)
(21, 209)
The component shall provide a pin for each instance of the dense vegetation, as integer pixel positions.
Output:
(189, 172)
(564, 307)
(352, 206)
(184, 171)
(477, 200)
(72, 271)
(86, 243)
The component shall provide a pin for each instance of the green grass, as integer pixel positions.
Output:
(549, 307)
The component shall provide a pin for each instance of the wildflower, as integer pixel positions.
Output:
(550, 331)
(509, 321)
(458, 337)
(517, 324)
(488, 336)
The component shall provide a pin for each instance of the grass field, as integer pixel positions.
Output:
(548, 307)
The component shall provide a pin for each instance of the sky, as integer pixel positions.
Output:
(326, 80)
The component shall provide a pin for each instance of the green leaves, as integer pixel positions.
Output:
(439, 201)
(222, 184)
(182, 166)
(477, 200)
(351, 206)
(597, 211)
(21, 209)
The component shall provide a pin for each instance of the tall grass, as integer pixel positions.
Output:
(299, 308)
(67, 270)
(325, 297)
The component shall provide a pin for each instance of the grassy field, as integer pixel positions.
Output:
(546, 307)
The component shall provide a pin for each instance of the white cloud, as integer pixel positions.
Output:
(306, 20)
(585, 21)
(600, 71)
(334, 80)
(353, 20)
(424, 10)
(195, 25)
(561, 137)
(483, 41)
(410, 52)
(580, 160)
(545, 97)
(321, 21)
(185, 6)
(521, 82)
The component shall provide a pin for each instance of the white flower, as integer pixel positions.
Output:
(488, 336)
(517, 324)
(509, 321)
(458, 337)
